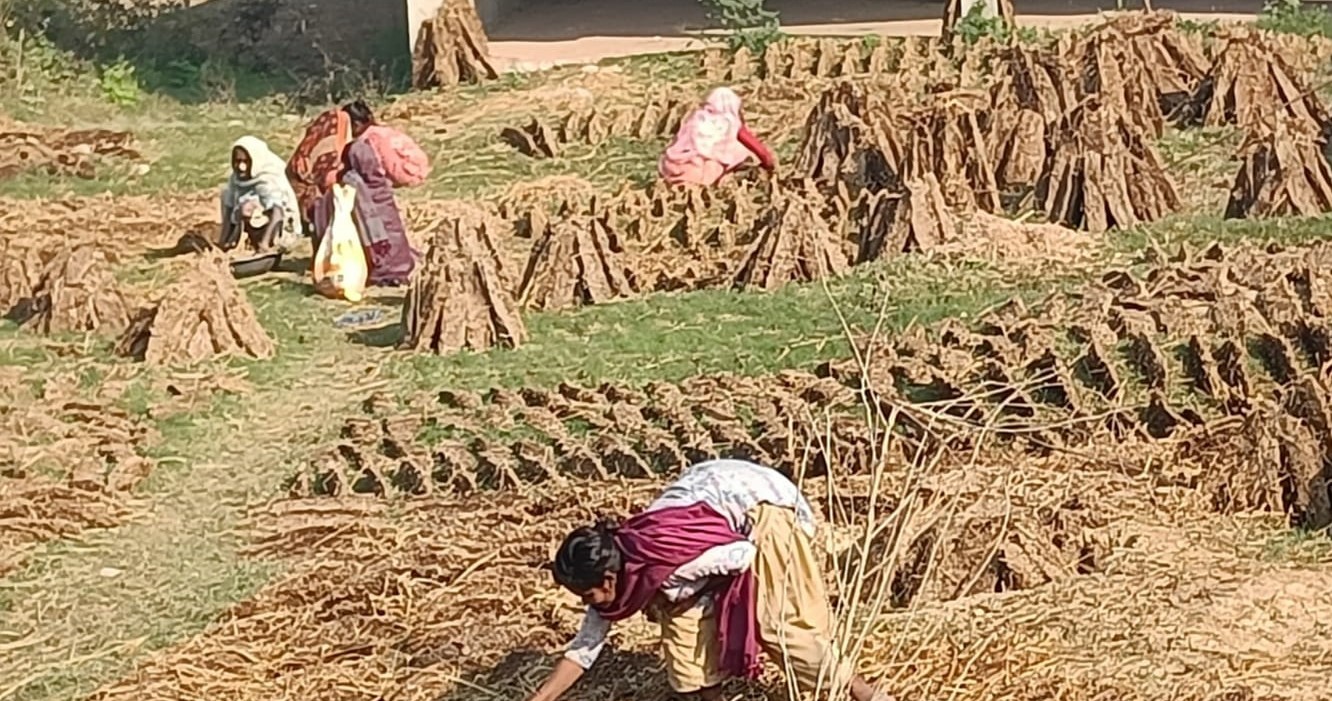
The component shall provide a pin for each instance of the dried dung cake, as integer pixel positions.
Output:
(202, 316)
(534, 140)
(578, 260)
(1027, 103)
(1142, 63)
(452, 49)
(820, 58)
(1112, 70)
(793, 243)
(571, 192)
(62, 152)
(1250, 85)
(917, 220)
(458, 300)
(1284, 174)
(945, 139)
(546, 138)
(838, 134)
(20, 272)
(77, 292)
(660, 117)
(1106, 173)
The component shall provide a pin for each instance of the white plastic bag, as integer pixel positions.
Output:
(340, 269)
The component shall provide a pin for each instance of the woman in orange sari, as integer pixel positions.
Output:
(313, 168)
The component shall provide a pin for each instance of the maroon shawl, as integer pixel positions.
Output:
(654, 544)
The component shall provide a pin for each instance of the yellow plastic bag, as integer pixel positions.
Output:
(340, 269)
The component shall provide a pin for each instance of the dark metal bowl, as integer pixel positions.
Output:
(255, 265)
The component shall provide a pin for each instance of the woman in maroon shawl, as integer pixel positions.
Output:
(383, 233)
(723, 561)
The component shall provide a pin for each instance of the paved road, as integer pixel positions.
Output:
(548, 32)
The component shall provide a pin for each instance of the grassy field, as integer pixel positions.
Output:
(82, 609)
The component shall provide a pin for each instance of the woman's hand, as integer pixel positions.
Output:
(563, 676)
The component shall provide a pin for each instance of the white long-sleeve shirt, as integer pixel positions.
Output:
(731, 487)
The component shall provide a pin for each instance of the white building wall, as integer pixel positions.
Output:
(419, 11)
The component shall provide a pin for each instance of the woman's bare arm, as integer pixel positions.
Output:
(563, 676)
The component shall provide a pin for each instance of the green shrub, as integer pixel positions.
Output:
(975, 26)
(1295, 17)
(120, 84)
(747, 22)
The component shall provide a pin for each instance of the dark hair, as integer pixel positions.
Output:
(359, 112)
(586, 556)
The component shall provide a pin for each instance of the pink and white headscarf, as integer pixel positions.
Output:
(711, 132)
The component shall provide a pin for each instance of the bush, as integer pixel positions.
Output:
(120, 85)
(101, 29)
(975, 25)
(1295, 17)
(748, 22)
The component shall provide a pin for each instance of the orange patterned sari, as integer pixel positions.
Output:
(313, 168)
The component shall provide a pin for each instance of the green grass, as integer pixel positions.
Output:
(179, 557)
(671, 337)
(1195, 231)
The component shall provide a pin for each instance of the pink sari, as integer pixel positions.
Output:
(707, 145)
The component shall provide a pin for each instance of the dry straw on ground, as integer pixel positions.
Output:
(459, 300)
(205, 314)
(69, 459)
(61, 153)
(424, 606)
(119, 224)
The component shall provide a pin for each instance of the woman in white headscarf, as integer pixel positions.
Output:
(713, 141)
(258, 199)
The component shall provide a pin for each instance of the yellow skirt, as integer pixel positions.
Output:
(791, 604)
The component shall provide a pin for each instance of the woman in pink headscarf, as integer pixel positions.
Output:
(713, 141)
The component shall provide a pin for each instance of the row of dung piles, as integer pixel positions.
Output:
(1069, 128)
(470, 292)
(462, 442)
(1210, 363)
(1217, 348)
(1074, 125)
(591, 126)
(804, 59)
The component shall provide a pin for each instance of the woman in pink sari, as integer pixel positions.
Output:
(713, 141)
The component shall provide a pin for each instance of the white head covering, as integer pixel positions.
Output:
(267, 184)
(267, 181)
